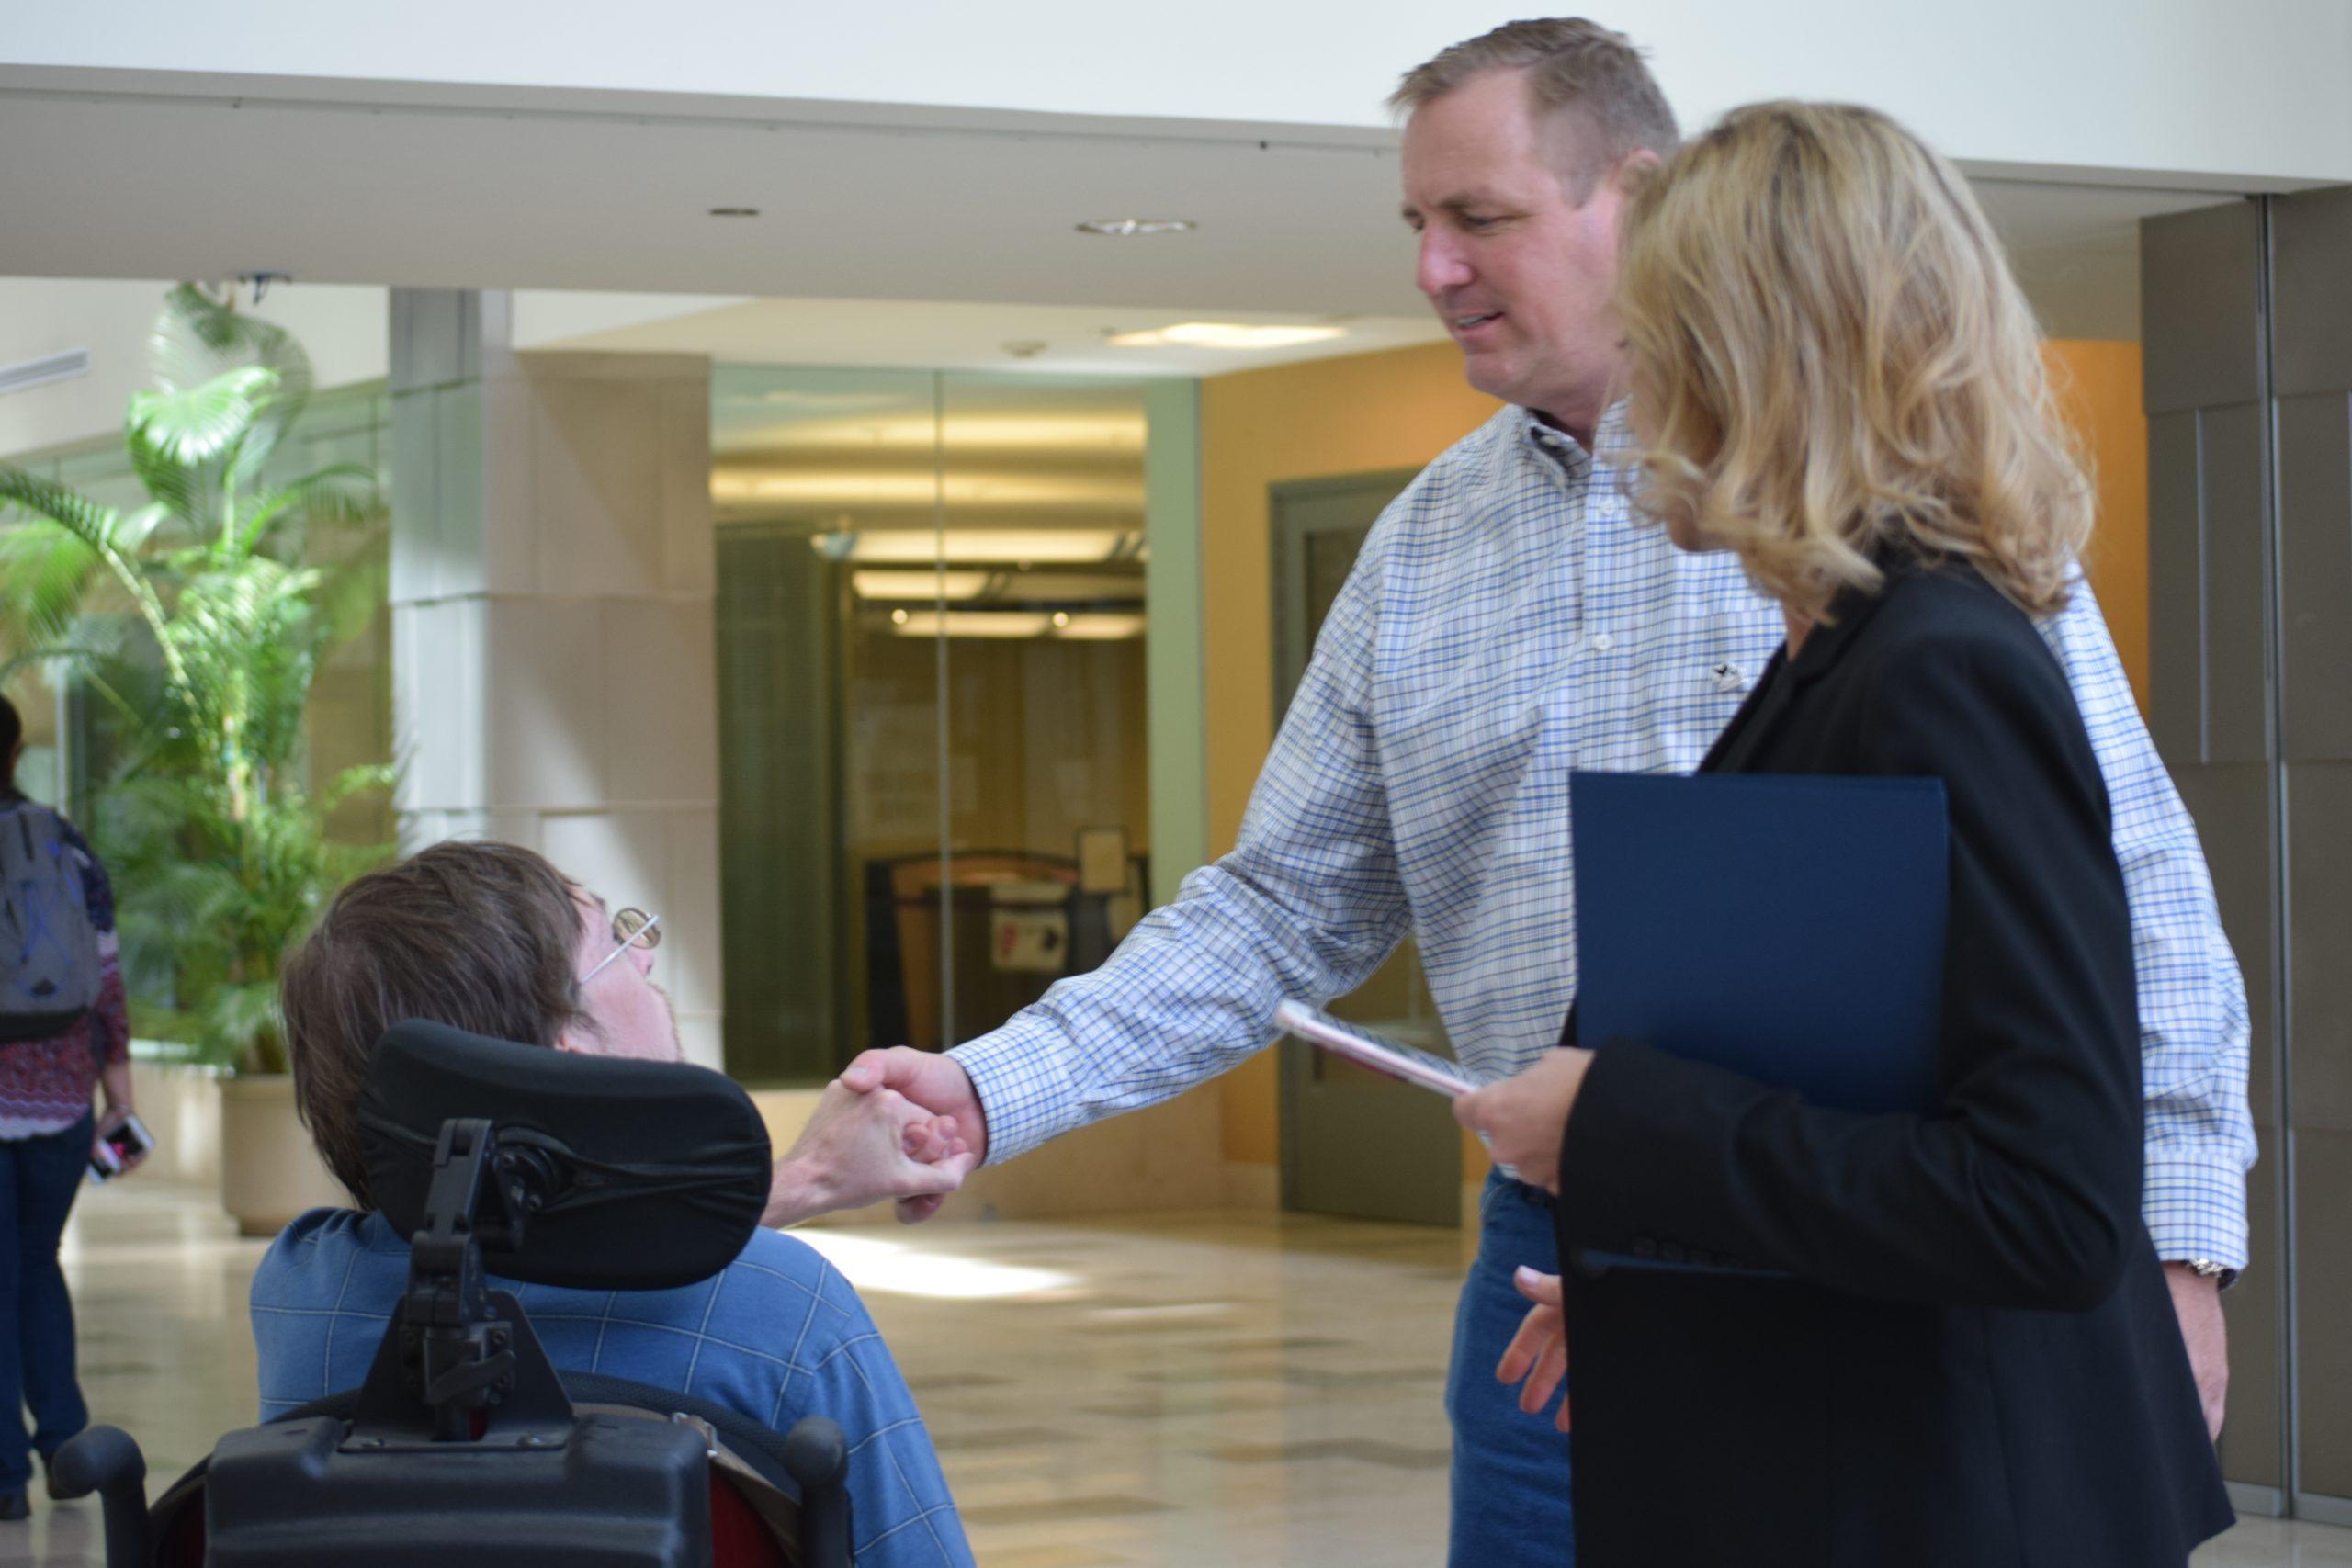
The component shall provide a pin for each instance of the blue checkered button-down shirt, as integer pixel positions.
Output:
(1509, 620)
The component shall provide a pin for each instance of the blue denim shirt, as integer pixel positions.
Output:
(775, 1336)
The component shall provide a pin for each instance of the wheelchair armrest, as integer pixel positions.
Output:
(817, 1453)
(105, 1460)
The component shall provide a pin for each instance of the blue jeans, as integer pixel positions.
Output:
(39, 1180)
(1510, 1469)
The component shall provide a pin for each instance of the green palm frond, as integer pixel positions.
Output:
(69, 509)
(355, 781)
(340, 496)
(185, 427)
(45, 572)
(135, 530)
(241, 1011)
(195, 336)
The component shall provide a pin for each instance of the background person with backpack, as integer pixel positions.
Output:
(64, 1031)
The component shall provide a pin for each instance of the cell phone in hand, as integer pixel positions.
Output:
(119, 1147)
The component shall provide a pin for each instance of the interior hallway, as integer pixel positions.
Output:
(1215, 1389)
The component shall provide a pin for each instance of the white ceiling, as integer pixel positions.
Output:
(929, 334)
(99, 184)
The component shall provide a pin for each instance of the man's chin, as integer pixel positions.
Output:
(1491, 372)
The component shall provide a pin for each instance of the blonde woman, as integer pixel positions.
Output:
(1975, 1361)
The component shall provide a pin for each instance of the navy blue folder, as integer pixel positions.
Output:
(1788, 927)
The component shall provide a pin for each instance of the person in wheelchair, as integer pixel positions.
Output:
(492, 939)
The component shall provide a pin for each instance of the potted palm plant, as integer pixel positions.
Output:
(194, 624)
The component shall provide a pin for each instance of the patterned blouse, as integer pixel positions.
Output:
(45, 1085)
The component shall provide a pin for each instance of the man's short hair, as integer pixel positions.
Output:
(1576, 71)
(482, 937)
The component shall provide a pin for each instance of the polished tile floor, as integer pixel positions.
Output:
(1203, 1390)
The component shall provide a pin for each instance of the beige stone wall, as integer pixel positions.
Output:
(552, 580)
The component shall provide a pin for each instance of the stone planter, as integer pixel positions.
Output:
(269, 1172)
(181, 1105)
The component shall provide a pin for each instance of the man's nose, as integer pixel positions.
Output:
(1441, 266)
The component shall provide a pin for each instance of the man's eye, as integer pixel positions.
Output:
(1475, 221)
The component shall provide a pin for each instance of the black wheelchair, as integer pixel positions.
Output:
(464, 1444)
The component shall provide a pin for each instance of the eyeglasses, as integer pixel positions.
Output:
(631, 928)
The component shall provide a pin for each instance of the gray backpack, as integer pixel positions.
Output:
(48, 949)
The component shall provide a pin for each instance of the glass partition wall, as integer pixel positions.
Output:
(935, 792)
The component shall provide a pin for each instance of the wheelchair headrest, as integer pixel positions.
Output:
(648, 1175)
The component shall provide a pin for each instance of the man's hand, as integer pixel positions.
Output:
(1521, 1119)
(1539, 1352)
(2197, 1301)
(936, 1082)
(861, 1148)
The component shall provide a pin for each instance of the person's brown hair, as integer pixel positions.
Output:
(1578, 74)
(482, 937)
(1829, 355)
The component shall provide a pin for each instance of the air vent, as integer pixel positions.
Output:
(49, 367)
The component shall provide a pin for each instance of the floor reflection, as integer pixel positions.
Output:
(1192, 1390)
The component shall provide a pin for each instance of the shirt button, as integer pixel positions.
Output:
(1602, 642)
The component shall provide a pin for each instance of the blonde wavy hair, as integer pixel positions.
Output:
(1829, 356)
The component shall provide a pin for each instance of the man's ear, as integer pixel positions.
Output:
(1634, 170)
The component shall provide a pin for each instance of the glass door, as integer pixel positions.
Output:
(934, 790)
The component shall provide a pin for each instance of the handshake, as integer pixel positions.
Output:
(901, 1124)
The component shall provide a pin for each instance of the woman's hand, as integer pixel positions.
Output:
(114, 1117)
(1521, 1120)
(862, 1148)
(1539, 1352)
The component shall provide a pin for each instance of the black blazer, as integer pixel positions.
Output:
(1977, 1361)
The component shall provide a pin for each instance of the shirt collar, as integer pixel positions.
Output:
(1611, 440)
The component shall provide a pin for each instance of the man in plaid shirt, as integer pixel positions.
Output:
(1509, 620)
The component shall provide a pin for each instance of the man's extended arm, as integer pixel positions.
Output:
(2193, 1022)
(1306, 905)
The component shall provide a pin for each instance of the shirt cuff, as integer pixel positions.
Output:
(2195, 1209)
(1022, 1084)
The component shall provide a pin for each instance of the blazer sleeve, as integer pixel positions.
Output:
(2022, 1190)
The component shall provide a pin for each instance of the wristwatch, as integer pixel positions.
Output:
(2205, 1268)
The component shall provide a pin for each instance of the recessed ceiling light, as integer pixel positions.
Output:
(969, 623)
(962, 546)
(734, 212)
(1224, 334)
(911, 586)
(1129, 228)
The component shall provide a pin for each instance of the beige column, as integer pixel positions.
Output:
(554, 678)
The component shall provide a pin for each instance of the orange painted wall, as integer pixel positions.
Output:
(2098, 386)
(1402, 407)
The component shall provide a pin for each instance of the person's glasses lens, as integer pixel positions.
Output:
(631, 928)
(637, 927)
